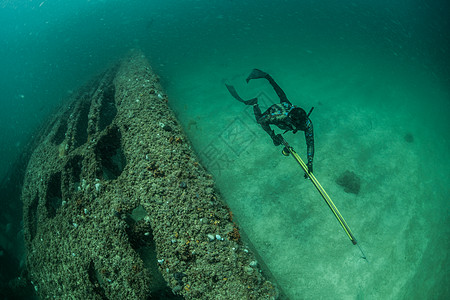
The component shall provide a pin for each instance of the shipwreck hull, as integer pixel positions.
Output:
(118, 206)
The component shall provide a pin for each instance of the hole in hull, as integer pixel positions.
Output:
(60, 134)
(141, 239)
(97, 281)
(112, 158)
(74, 170)
(32, 217)
(108, 110)
(54, 195)
(81, 134)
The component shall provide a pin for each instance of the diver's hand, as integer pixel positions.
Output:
(310, 169)
(277, 139)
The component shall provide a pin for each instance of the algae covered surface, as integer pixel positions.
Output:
(114, 197)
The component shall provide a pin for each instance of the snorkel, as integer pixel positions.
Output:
(310, 111)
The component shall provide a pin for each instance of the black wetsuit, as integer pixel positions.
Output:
(280, 115)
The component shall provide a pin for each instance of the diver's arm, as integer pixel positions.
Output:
(309, 136)
(275, 137)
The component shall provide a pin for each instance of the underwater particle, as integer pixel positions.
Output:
(350, 182)
(253, 263)
(219, 238)
(183, 185)
(97, 185)
(248, 270)
(409, 138)
(62, 149)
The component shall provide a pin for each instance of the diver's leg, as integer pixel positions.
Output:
(257, 112)
(256, 74)
(233, 93)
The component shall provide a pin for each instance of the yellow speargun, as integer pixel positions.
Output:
(289, 150)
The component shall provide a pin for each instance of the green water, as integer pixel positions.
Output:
(376, 72)
(361, 119)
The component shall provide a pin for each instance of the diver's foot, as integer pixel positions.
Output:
(255, 74)
(233, 93)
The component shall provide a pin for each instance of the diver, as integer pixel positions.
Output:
(286, 116)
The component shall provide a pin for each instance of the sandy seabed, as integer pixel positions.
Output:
(367, 126)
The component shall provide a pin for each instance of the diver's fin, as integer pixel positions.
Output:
(256, 74)
(233, 93)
